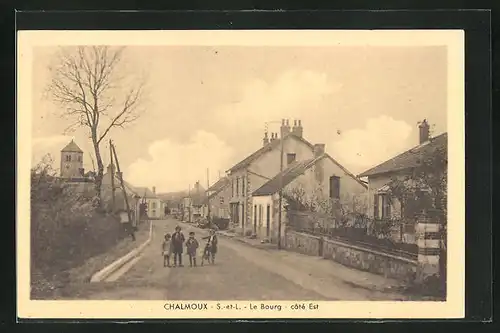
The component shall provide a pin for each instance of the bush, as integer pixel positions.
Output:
(66, 228)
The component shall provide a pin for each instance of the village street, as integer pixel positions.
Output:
(240, 272)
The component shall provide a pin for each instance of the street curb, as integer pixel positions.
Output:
(117, 264)
(264, 246)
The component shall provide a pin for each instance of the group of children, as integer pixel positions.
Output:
(174, 244)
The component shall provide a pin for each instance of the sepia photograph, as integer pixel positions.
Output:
(240, 173)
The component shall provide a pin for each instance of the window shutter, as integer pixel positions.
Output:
(388, 207)
(375, 207)
(243, 186)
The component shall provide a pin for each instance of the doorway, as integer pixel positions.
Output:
(255, 219)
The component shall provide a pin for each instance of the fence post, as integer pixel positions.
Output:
(320, 245)
(428, 241)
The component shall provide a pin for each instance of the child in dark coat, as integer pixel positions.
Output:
(191, 247)
(177, 245)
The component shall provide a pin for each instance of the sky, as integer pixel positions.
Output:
(207, 107)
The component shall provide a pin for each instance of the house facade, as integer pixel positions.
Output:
(155, 205)
(217, 201)
(135, 195)
(261, 166)
(192, 204)
(319, 178)
(383, 203)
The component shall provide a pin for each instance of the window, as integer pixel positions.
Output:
(68, 158)
(243, 186)
(381, 206)
(232, 188)
(290, 158)
(386, 206)
(335, 187)
(237, 186)
(153, 205)
(260, 215)
(79, 158)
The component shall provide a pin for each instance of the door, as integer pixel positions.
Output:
(242, 215)
(236, 213)
(268, 219)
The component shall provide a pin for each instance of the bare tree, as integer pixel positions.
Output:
(95, 93)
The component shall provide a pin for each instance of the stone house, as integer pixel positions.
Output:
(192, 204)
(261, 166)
(382, 204)
(135, 195)
(318, 178)
(218, 196)
(155, 205)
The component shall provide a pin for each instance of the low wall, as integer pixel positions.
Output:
(354, 256)
(302, 243)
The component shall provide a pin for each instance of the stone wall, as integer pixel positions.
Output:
(354, 256)
(302, 243)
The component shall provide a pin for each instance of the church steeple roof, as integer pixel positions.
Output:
(72, 147)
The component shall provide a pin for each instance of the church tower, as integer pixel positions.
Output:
(71, 161)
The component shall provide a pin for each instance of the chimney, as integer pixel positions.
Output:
(154, 190)
(285, 127)
(265, 141)
(423, 131)
(111, 167)
(319, 149)
(297, 128)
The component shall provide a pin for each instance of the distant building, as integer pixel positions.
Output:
(218, 196)
(192, 204)
(135, 195)
(72, 162)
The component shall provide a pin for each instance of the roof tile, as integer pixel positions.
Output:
(72, 147)
(410, 158)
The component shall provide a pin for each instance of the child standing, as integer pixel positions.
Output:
(166, 250)
(191, 247)
(210, 248)
(177, 245)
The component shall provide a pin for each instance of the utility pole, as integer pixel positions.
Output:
(281, 191)
(189, 203)
(112, 174)
(124, 194)
(280, 178)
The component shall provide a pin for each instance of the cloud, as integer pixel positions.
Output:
(173, 166)
(52, 145)
(290, 95)
(379, 140)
